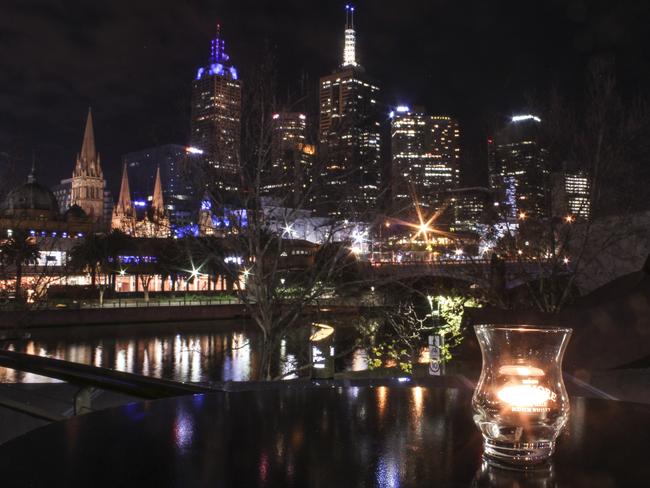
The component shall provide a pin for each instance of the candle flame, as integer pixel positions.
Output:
(526, 395)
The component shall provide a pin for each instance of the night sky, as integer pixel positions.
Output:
(133, 61)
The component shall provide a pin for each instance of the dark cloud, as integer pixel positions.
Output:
(133, 61)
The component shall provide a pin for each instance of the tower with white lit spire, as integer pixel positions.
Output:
(349, 45)
(349, 135)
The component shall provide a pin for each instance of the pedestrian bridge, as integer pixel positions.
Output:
(481, 272)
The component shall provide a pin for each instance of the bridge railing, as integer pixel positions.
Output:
(81, 382)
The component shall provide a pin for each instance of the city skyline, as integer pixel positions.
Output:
(148, 116)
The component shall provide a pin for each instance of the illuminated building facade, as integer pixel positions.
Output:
(291, 159)
(87, 187)
(470, 208)
(349, 135)
(216, 120)
(571, 195)
(425, 158)
(179, 173)
(137, 220)
(519, 173)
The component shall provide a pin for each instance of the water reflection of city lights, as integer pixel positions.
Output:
(98, 352)
(228, 355)
(387, 472)
(382, 400)
(264, 467)
(418, 400)
(183, 429)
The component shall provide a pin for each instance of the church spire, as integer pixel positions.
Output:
(88, 151)
(88, 159)
(124, 203)
(157, 204)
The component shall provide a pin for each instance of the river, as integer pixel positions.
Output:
(191, 352)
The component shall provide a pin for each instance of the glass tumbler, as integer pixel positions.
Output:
(520, 403)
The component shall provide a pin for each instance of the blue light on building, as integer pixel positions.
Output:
(218, 63)
(191, 230)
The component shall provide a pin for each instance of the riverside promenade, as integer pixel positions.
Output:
(137, 310)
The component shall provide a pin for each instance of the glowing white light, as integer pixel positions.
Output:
(276, 116)
(526, 395)
(193, 150)
(402, 108)
(349, 51)
(521, 118)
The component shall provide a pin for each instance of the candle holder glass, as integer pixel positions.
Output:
(520, 403)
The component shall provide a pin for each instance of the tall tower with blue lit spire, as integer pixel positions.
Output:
(349, 135)
(216, 119)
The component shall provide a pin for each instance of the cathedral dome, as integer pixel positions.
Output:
(31, 198)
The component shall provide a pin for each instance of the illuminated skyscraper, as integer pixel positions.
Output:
(291, 157)
(349, 135)
(216, 119)
(470, 208)
(425, 158)
(571, 195)
(519, 173)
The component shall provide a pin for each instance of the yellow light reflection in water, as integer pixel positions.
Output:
(418, 400)
(382, 400)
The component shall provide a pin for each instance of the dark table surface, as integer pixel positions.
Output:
(318, 437)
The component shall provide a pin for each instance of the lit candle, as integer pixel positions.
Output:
(520, 403)
(522, 391)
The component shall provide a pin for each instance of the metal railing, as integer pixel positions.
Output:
(121, 303)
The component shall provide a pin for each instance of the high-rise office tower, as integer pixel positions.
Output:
(349, 135)
(470, 207)
(571, 195)
(289, 176)
(425, 158)
(216, 120)
(520, 175)
(179, 174)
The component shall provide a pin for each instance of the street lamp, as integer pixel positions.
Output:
(569, 219)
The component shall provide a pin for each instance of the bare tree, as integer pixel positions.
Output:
(279, 277)
(555, 257)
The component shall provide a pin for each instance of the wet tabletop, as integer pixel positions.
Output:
(318, 437)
